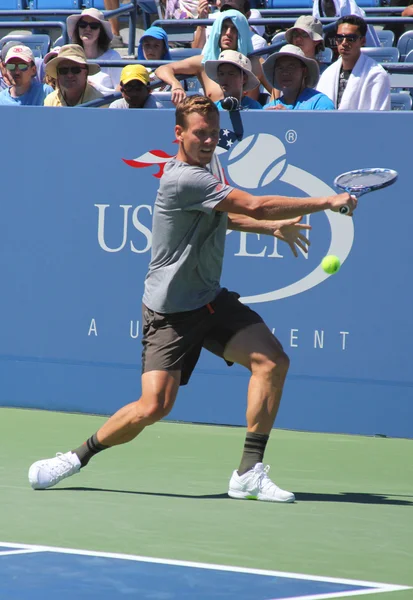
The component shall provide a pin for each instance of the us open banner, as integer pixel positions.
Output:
(77, 195)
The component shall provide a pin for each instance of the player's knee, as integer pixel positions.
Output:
(271, 365)
(152, 410)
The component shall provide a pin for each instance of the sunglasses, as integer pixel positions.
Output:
(73, 70)
(299, 34)
(84, 24)
(351, 37)
(19, 66)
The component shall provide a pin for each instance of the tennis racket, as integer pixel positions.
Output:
(362, 181)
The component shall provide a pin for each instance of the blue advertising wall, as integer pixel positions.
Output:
(75, 236)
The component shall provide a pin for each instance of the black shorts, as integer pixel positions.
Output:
(173, 342)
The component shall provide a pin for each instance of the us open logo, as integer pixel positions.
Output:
(258, 161)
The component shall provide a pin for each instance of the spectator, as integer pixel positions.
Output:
(117, 41)
(229, 32)
(52, 54)
(307, 34)
(25, 90)
(355, 81)
(71, 69)
(153, 45)
(134, 85)
(232, 72)
(91, 31)
(181, 9)
(295, 76)
(342, 8)
(202, 33)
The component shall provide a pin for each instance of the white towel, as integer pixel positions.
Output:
(368, 87)
(349, 7)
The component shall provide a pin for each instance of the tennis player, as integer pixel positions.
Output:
(185, 308)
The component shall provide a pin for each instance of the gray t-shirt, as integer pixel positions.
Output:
(188, 238)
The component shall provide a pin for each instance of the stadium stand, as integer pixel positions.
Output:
(405, 44)
(39, 43)
(386, 38)
(401, 101)
(383, 54)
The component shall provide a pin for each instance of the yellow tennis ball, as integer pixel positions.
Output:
(331, 264)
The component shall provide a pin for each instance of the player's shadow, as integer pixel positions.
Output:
(354, 498)
(160, 494)
(348, 497)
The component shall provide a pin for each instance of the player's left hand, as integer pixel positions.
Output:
(290, 232)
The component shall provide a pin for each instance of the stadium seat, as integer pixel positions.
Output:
(99, 4)
(383, 55)
(405, 44)
(326, 56)
(409, 57)
(279, 38)
(401, 101)
(289, 3)
(54, 4)
(13, 4)
(386, 38)
(38, 42)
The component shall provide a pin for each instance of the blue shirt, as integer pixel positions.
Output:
(34, 97)
(246, 103)
(309, 99)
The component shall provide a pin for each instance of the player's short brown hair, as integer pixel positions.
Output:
(194, 104)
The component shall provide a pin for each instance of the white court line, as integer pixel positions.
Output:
(24, 551)
(378, 587)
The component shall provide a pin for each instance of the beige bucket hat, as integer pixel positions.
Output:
(232, 57)
(311, 26)
(71, 52)
(94, 13)
(313, 72)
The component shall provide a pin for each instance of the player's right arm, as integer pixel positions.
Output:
(167, 73)
(281, 207)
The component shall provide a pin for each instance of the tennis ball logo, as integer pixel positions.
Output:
(256, 161)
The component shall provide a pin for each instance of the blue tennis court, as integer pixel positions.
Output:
(43, 573)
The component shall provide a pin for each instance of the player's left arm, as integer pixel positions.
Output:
(290, 231)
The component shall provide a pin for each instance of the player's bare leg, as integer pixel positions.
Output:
(159, 390)
(259, 351)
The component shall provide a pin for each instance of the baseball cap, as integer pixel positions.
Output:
(133, 72)
(22, 52)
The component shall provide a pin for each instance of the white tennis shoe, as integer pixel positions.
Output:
(256, 485)
(47, 472)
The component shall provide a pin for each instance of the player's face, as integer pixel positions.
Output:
(198, 139)
(230, 79)
(229, 36)
(153, 49)
(289, 73)
(349, 41)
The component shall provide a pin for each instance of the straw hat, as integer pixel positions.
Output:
(71, 52)
(95, 14)
(311, 26)
(232, 57)
(313, 72)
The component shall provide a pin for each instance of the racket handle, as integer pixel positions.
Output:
(344, 210)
